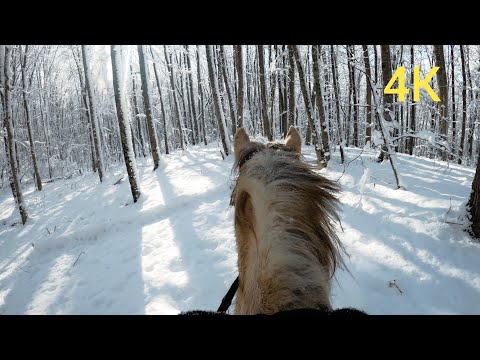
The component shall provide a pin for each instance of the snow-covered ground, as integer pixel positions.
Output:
(87, 249)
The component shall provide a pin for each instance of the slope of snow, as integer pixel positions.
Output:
(87, 249)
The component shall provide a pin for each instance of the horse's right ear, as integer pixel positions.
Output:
(293, 140)
(240, 140)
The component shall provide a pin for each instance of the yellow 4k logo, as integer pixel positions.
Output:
(402, 91)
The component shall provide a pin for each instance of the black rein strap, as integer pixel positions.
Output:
(227, 299)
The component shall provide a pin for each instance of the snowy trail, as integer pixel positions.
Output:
(174, 250)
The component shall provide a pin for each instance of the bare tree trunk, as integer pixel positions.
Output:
(443, 91)
(183, 93)
(411, 140)
(283, 98)
(38, 179)
(137, 113)
(318, 150)
(93, 114)
(148, 107)
(461, 153)
(86, 107)
(218, 106)
(174, 94)
(387, 98)
(237, 51)
(336, 94)
(123, 121)
(454, 122)
(471, 125)
(223, 66)
(291, 87)
(200, 91)
(386, 76)
(196, 135)
(354, 95)
(368, 111)
(157, 79)
(8, 124)
(263, 93)
(316, 51)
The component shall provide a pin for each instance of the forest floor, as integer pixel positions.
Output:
(88, 249)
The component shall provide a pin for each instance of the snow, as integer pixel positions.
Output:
(88, 249)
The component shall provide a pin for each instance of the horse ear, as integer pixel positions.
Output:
(293, 140)
(240, 140)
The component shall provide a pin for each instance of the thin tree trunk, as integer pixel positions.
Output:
(318, 150)
(316, 51)
(157, 79)
(368, 111)
(252, 90)
(8, 124)
(386, 76)
(152, 134)
(237, 51)
(464, 107)
(454, 122)
(183, 93)
(222, 64)
(273, 89)
(291, 87)
(86, 107)
(174, 94)
(93, 113)
(218, 106)
(336, 94)
(137, 113)
(387, 98)
(196, 136)
(354, 96)
(200, 91)
(443, 91)
(38, 179)
(123, 121)
(471, 125)
(263, 93)
(411, 140)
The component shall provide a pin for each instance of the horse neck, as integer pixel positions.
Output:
(278, 265)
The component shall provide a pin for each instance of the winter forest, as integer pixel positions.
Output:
(116, 171)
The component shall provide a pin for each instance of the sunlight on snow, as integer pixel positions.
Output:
(162, 267)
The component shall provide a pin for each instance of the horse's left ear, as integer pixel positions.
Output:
(293, 140)
(240, 140)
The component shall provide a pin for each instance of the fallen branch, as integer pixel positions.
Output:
(119, 180)
(392, 284)
(346, 166)
(83, 252)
